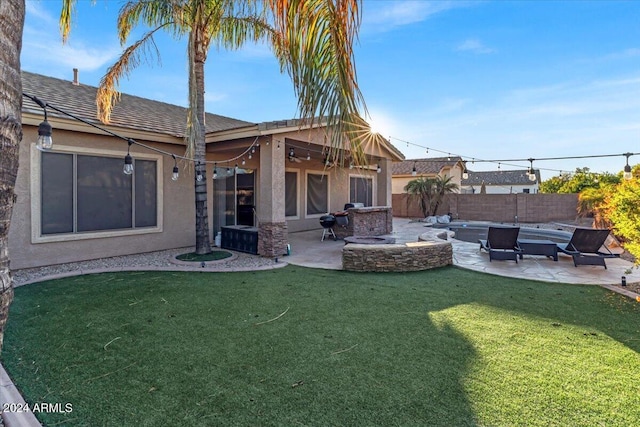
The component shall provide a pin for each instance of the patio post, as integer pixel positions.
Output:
(272, 226)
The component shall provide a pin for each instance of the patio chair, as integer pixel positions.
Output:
(585, 247)
(502, 243)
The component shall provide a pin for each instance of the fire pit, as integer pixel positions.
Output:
(369, 240)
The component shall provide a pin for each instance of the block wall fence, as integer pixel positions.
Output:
(496, 207)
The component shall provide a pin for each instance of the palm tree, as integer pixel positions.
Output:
(312, 40)
(422, 190)
(11, 25)
(441, 186)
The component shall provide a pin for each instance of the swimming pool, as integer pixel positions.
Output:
(472, 232)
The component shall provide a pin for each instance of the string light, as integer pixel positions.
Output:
(199, 176)
(530, 172)
(44, 134)
(505, 161)
(627, 169)
(465, 172)
(414, 171)
(176, 171)
(215, 170)
(379, 169)
(128, 161)
(45, 142)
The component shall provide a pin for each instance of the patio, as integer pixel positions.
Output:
(307, 250)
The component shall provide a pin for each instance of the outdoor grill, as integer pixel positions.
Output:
(327, 222)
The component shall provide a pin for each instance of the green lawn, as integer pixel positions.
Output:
(299, 346)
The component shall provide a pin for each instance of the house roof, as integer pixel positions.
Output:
(130, 112)
(505, 177)
(427, 166)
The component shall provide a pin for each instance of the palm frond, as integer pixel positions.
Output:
(153, 13)
(108, 94)
(316, 50)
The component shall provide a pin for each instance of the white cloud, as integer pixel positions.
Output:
(398, 13)
(474, 46)
(42, 46)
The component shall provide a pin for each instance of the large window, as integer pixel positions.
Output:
(291, 194)
(89, 193)
(317, 194)
(361, 190)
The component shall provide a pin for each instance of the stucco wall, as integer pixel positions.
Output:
(177, 204)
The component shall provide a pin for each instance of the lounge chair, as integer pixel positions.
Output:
(502, 243)
(585, 247)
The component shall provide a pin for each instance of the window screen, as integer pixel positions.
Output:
(290, 193)
(317, 194)
(361, 190)
(146, 194)
(104, 194)
(56, 193)
(82, 193)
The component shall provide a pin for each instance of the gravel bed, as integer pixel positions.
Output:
(160, 260)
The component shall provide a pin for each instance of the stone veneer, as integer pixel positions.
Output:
(430, 252)
(369, 221)
(272, 239)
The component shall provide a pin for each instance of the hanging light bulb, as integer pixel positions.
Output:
(244, 162)
(465, 172)
(449, 157)
(379, 169)
(236, 168)
(292, 154)
(414, 171)
(176, 172)
(199, 176)
(308, 155)
(128, 161)
(215, 170)
(44, 141)
(531, 172)
(128, 165)
(250, 156)
(253, 149)
(627, 169)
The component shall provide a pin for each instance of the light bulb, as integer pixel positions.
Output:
(44, 141)
(176, 173)
(128, 165)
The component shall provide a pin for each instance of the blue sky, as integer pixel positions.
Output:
(481, 79)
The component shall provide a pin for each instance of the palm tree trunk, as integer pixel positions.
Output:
(11, 25)
(203, 244)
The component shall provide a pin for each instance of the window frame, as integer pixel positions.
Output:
(36, 199)
(373, 185)
(297, 172)
(306, 193)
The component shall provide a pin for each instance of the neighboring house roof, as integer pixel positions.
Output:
(130, 112)
(427, 166)
(507, 177)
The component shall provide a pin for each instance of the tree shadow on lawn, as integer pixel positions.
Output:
(350, 349)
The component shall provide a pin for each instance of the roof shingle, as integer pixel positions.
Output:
(506, 177)
(427, 166)
(130, 112)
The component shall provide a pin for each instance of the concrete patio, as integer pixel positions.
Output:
(307, 250)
